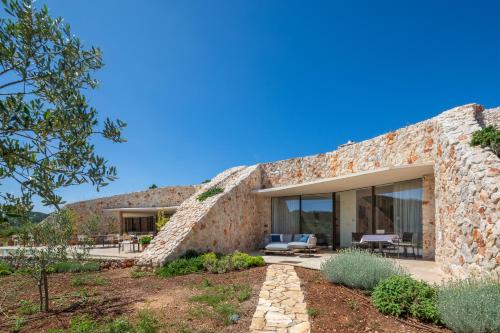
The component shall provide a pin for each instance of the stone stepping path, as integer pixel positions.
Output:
(281, 306)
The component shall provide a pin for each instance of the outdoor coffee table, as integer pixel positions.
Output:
(380, 239)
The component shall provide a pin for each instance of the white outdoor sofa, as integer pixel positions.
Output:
(288, 243)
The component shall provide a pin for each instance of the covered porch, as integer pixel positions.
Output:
(396, 201)
(139, 220)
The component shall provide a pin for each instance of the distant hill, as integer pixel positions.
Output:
(37, 217)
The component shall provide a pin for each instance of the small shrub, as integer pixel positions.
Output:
(313, 312)
(180, 267)
(119, 325)
(88, 280)
(230, 262)
(82, 324)
(5, 269)
(470, 306)
(403, 296)
(137, 274)
(19, 322)
(27, 307)
(146, 240)
(244, 294)
(75, 267)
(487, 137)
(359, 269)
(209, 193)
(240, 260)
(147, 322)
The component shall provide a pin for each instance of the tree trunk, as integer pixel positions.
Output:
(40, 291)
(46, 290)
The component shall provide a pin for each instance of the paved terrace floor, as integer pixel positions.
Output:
(428, 271)
(96, 252)
(420, 269)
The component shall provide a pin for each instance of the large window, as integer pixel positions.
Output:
(394, 208)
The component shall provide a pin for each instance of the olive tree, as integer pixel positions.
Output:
(47, 245)
(46, 123)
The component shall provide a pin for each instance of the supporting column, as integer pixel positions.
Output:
(121, 223)
(428, 218)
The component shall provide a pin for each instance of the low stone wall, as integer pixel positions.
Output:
(159, 197)
(233, 220)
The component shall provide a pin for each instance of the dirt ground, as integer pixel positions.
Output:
(117, 294)
(334, 308)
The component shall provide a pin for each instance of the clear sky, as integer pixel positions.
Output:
(206, 85)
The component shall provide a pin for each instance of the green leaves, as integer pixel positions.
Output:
(487, 137)
(46, 122)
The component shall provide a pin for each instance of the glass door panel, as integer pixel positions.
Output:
(317, 218)
(286, 215)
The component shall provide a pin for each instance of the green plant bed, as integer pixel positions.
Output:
(402, 296)
(75, 267)
(5, 269)
(470, 306)
(209, 193)
(192, 262)
(359, 269)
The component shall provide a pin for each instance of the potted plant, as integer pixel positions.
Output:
(145, 241)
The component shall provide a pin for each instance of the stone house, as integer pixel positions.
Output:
(424, 179)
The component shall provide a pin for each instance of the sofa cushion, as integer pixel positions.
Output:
(298, 245)
(277, 247)
(304, 238)
(276, 238)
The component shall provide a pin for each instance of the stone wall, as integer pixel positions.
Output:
(428, 218)
(462, 225)
(461, 207)
(409, 145)
(467, 195)
(233, 220)
(159, 197)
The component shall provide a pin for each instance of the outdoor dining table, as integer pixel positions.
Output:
(379, 238)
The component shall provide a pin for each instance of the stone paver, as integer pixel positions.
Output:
(281, 306)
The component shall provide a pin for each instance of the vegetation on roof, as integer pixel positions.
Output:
(210, 193)
(487, 137)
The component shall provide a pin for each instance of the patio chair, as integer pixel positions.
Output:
(305, 242)
(130, 240)
(407, 240)
(81, 240)
(356, 240)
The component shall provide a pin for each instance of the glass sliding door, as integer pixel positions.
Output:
(317, 218)
(286, 215)
(399, 208)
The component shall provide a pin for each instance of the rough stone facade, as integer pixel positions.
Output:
(428, 218)
(467, 195)
(461, 199)
(233, 220)
(158, 197)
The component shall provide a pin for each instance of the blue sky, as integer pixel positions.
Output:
(206, 85)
